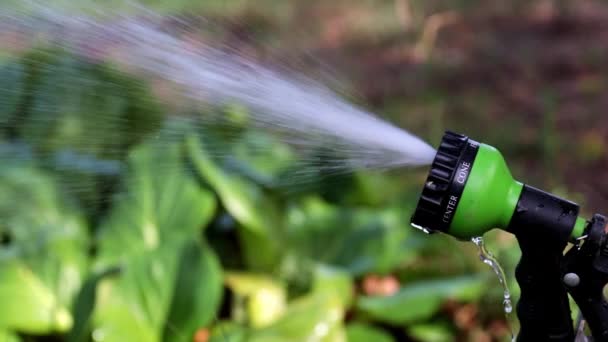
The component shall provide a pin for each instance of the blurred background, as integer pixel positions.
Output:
(118, 221)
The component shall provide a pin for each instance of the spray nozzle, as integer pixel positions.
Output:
(470, 190)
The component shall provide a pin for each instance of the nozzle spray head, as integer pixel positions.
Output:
(470, 190)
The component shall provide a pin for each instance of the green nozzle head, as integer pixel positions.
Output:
(470, 191)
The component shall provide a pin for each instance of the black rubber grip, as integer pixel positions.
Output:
(542, 224)
(543, 309)
(590, 264)
(594, 307)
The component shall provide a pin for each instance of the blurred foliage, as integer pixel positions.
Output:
(120, 222)
(189, 243)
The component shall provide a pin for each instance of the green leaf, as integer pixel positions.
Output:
(228, 331)
(431, 333)
(312, 318)
(162, 210)
(420, 301)
(85, 304)
(358, 332)
(143, 113)
(162, 205)
(316, 317)
(72, 108)
(7, 336)
(161, 293)
(356, 239)
(334, 282)
(258, 214)
(27, 304)
(77, 108)
(266, 297)
(86, 107)
(134, 306)
(260, 157)
(197, 293)
(46, 234)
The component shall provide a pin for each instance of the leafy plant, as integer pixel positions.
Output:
(44, 259)
(191, 235)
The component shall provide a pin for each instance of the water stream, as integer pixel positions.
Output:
(487, 258)
(301, 109)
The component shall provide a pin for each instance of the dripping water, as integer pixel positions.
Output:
(487, 258)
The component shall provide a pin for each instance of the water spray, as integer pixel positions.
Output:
(470, 191)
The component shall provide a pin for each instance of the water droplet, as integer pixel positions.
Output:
(507, 303)
(421, 228)
(487, 258)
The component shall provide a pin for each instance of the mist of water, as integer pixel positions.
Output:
(297, 109)
(305, 112)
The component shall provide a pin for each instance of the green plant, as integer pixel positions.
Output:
(187, 233)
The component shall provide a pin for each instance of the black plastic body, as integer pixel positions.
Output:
(542, 224)
(590, 263)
